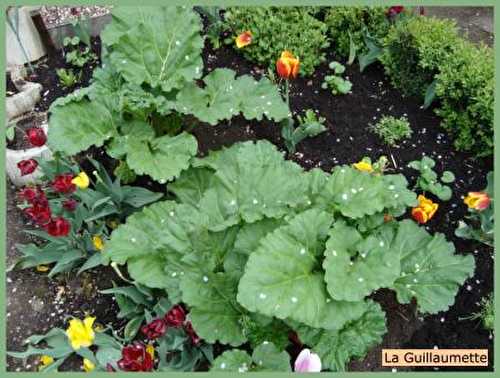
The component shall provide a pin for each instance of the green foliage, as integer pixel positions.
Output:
(135, 105)
(414, 51)
(275, 29)
(391, 129)
(55, 343)
(255, 247)
(347, 23)
(75, 55)
(465, 88)
(481, 224)
(67, 78)
(105, 201)
(335, 82)
(123, 171)
(224, 97)
(337, 347)
(310, 125)
(428, 180)
(215, 24)
(266, 357)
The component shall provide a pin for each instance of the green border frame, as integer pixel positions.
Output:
(248, 2)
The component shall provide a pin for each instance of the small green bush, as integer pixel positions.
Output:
(465, 87)
(276, 29)
(391, 129)
(342, 21)
(414, 49)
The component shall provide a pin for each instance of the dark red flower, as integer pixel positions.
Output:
(74, 11)
(155, 329)
(421, 11)
(395, 10)
(27, 166)
(175, 317)
(135, 357)
(195, 339)
(70, 204)
(63, 184)
(28, 194)
(58, 227)
(36, 136)
(39, 214)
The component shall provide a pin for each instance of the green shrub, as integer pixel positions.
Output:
(276, 29)
(391, 129)
(345, 21)
(465, 87)
(414, 49)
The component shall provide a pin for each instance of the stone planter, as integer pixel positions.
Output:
(12, 157)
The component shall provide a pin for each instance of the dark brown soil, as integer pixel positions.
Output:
(347, 140)
(45, 74)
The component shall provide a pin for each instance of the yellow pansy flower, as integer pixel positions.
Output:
(45, 361)
(363, 166)
(81, 180)
(88, 365)
(80, 333)
(150, 349)
(98, 242)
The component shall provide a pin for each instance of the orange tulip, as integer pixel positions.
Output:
(425, 210)
(477, 200)
(244, 39)
(288, 65)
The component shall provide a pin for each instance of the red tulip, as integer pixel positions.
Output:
(36, 136)
(39, 214)
(70, 204)
(27, 166)
(395, 10)
(155, 329)
(175, 317)
(58, 227)
(28, 194)
(135, 357)
(195, 339)
(63, 184)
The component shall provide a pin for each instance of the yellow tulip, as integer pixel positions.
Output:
(81, 180)
(42, 268)
(45, 361)
(98, 243)
(79, 333)
(363, 166)
(425, 210)
(150, 349)
(88, 365)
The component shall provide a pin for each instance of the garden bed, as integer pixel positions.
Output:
(347, 140)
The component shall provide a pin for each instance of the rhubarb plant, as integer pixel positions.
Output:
(139, 100)
(254, 246)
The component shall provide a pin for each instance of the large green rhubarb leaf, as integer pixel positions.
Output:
(191, 185)
(354, 340)
(357, 194)
(251, 181)
(158, 243)
(162, 158)
(356, 266)
(430, 271)
(162, 46)
(215, 313)
(266, 357)
(225, 96)
(281, 278)
(77, 125)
